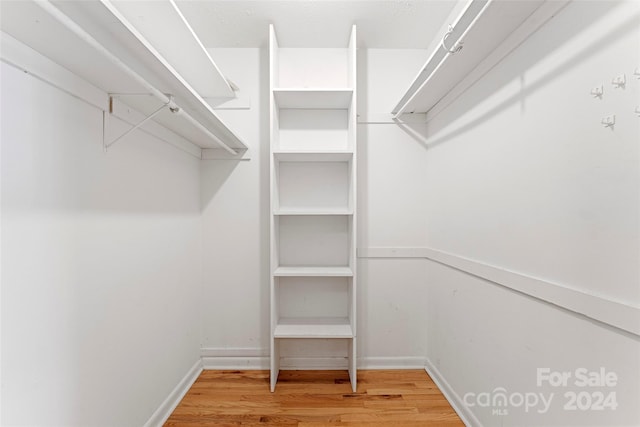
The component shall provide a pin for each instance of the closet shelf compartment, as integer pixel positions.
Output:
(310, 98)
(313, 130)
(320, 187)
(313, 327)
(313, 271)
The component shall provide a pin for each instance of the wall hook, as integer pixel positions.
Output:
(608, 121)
(457, 46)
(597, 91)
(637, 111)
(619, 82)
(636, 72)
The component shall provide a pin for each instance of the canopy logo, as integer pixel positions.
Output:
(499, 400)
(579, 390)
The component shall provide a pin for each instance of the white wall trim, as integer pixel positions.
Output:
(257, 358)
(602, 309)
(402, 362)
(21, 56)
(465, 414)
(234, 358)
(173, 399)
(235, 362)
(387, 252)
(234, 352)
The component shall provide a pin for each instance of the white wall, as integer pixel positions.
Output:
(391, 208)
(235, 200)
(101, 264)
(521, 176)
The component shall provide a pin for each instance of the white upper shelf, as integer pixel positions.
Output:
(163, 25)
(305, 98)
(36, 27)
(489, 30)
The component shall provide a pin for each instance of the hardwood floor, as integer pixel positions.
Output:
(313, 399)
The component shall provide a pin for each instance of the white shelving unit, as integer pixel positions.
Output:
(313, 196)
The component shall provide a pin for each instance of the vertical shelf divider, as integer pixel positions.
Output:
(274, 351)
(353, 125)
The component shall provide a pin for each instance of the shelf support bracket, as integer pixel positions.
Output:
(169, 104)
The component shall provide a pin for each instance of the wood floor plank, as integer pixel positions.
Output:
(404, 398)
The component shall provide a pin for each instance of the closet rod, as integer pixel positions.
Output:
(78, 31)
(447, 51)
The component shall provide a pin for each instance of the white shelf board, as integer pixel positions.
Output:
(313, 156)
(33, 26)
(491, 30)
(310, 98)
(313, 271)
(312, 211)
(317, 327)
(164, 26)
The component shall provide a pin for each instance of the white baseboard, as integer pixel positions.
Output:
(406, 362)
(465, 414)
(234, 358)
(173, 399)
(257, 358)
(235, 362)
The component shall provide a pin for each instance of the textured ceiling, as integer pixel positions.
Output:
(317, 23)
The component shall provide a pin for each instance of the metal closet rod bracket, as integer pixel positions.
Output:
(170, 104)
(456, 47)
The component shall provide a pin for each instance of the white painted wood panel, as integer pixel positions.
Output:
(310, 297)
(313, 240)
(316, 99)
(313, 185)
(312, 130)
(313, 68)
